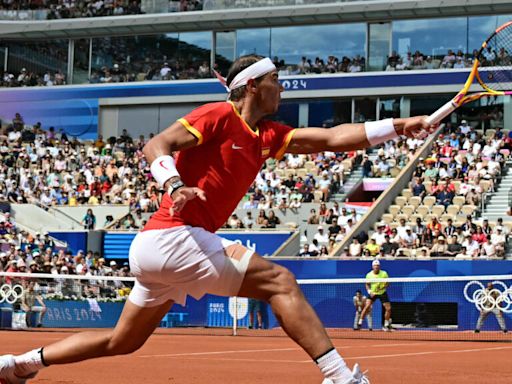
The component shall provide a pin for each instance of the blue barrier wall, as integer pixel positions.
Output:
(76, 240)
(116, 245)
(75, 108)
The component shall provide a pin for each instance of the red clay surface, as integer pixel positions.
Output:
(223, 359)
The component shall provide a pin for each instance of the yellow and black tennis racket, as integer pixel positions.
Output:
(493, 74)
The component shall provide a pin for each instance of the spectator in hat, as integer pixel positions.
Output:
(439, 248)
(321, 236)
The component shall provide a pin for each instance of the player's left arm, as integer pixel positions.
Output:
(349, 137)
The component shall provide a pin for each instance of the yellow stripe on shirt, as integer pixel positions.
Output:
(283, 148)
(192, 130)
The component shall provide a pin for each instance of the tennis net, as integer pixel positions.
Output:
(422, 308)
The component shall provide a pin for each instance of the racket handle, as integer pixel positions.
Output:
(441, 113)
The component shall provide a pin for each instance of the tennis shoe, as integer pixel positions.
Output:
(7, 376)
(358, 377)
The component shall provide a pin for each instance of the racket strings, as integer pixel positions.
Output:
(495, 59)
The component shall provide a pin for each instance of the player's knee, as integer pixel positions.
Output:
(286, 281)
(122, 346)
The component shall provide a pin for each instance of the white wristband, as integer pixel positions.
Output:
(163, 168)
(378, 132)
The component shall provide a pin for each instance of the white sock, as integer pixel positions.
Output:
(334, 367)
(29, 363)
(386, 323)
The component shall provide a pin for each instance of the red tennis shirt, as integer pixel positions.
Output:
(224, 164)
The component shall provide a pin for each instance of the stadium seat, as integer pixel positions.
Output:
(468, 209)
(453, 209)
(415, 201)
(408, 210)
(423, 210)
(407, 193)
(279, 173)
(394, 172)
(289, 171)
(387, 218)
(394, 209)
(400, 200)
(401, 216)
(459, 201)
(310, 166)
(428, 218)
(414, 217)
(429, 201)
(438, 210)
(318, 196)
(302, 172)
(445, 217)
(456, 184)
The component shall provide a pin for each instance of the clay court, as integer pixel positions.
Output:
(190, 359)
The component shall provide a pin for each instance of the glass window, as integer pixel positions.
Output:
(365, 110)
(154, 57)
(290, 44)
(431, 37)
(480, 27)
(389, 108)
(379, 45)
(43, 61)
(81, 61)
(328, 113)
(225, 45)
(253, 41)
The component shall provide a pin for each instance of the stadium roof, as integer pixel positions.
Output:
(249, 18)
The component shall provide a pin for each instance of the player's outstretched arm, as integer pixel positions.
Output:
(349, 137)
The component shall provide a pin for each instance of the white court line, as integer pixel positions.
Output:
(195, 356)
(221, 352)
(427, 353)
(275, 350)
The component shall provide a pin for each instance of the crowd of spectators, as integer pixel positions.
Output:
(417, 60)
(47, 168)
(66, 9)
(437, 215)
(25, 78)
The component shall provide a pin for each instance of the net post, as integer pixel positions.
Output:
(235, 317)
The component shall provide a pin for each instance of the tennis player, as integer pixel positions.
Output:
(377, 291)
(221, 148)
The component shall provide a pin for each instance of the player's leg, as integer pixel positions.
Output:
(367, 309)
(276, 285)
(480, 321)
(357, 315)
(134, 327)
(369, 320)
(501, 320)
(387, 315)
(259, 316)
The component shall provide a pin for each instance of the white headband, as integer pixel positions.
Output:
(253, 71)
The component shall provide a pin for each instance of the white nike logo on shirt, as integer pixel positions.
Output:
(234, 146)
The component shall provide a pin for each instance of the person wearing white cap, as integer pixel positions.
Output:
(321, 236)
(377, 291)
(233, 139)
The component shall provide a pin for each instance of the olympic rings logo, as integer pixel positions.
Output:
(489, 300)
(10, 294)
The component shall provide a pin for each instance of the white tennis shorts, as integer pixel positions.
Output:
(171, 263)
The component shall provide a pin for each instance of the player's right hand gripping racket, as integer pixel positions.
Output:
(496, 80)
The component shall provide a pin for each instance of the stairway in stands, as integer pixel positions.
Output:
(355, 177)
(498, 205)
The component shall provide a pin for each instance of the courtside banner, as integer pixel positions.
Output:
(116, 245)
